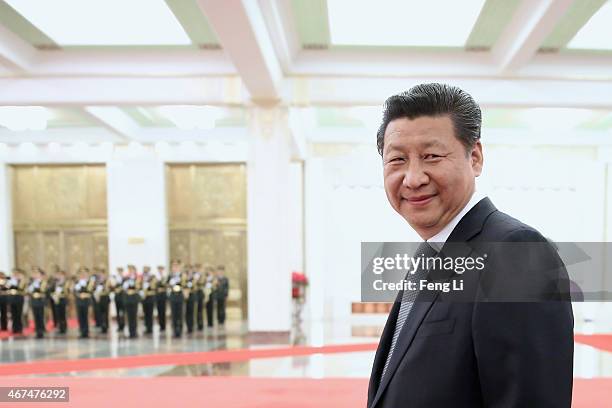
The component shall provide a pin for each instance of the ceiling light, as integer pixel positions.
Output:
(597, 32)
(20, 118)
(108, 22)
(432, 23)
(188, 117)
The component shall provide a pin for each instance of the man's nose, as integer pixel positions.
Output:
(415, 176)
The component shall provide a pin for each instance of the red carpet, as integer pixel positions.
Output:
(243, 392)
(600, 341)
(27, 331)
(62, 366)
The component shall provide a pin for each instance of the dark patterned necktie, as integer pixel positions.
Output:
(408, 297)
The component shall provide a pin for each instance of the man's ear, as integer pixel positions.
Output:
(477, 159)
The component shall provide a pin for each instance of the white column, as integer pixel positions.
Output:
(269, 243)
(296, 217)
(137, 218)
(6, 225)
(316, 235)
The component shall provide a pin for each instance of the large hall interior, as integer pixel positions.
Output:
(227, 148)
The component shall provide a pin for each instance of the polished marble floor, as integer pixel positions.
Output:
(322, 364)
(590, 362)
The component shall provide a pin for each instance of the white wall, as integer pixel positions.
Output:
(345, 205)
(296, 217)
(558, 190)
(137, 226)
(6, 227)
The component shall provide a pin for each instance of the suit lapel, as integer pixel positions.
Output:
(470, 225)
(383, 349)
(407, 333)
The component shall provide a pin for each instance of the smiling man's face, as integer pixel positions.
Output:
(428, 175)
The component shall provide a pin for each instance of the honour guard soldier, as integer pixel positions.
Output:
(131, 286)
(60, 293)
(222, 293)
(95, 298)
(38, 297)
(190, 299)
(149, 289)
(83, 290)
(50, 288)
(4, 301)
(210, 292)
(199, 283)
(119, 297)
(176, 282)
(161, 297)
(17, 288)
(102, 295)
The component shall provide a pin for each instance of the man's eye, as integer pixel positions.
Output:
(396, 160)
(431, 156)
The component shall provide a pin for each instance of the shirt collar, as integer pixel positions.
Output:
(438, 240)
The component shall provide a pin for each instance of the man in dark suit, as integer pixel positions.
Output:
(466, 348)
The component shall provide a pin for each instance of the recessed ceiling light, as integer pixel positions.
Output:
(108, 22)
(596, 34)
(431, 23)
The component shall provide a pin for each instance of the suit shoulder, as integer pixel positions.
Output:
(501, 227)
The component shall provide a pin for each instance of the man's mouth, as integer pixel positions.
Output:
(420, 199)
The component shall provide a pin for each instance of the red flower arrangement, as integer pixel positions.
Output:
(299, 281)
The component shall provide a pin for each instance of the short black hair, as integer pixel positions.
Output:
(434, 99)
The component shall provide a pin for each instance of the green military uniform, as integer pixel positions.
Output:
(102, 296)
(4, 302)
(83, 290)
(160, 300)
(210, 292)
(176, 283)
(17, 289)
(200, 282)
(149, 288)
(190, 302)
(38, 298)
(60, 293)
(95, 299)
(221, 298)
(51, 281)
(132, 299)
(119, 302)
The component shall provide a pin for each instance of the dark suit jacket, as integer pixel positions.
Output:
(457, 353)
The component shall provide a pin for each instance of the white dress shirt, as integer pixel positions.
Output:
(438, 240)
